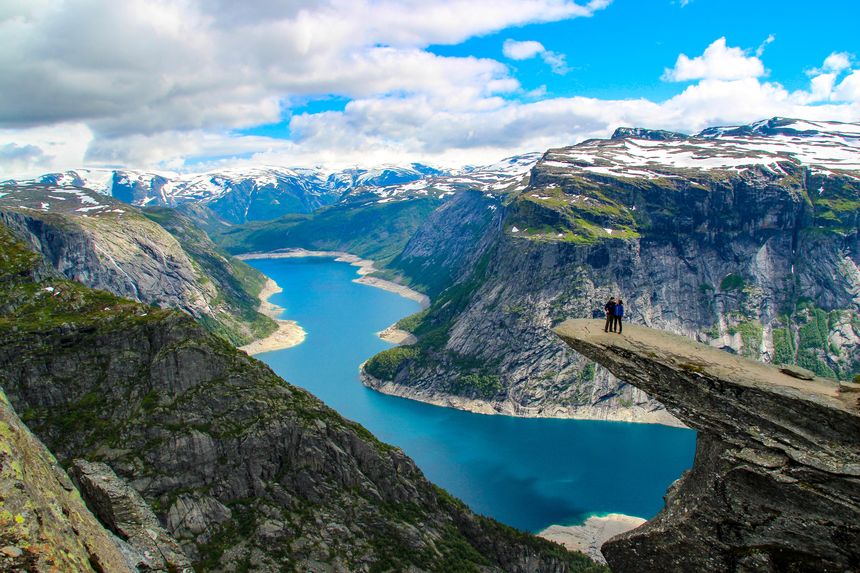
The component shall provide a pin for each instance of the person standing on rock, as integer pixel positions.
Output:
(619, 314)
(609, 307)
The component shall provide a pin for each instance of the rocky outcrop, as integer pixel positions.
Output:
(160, 259)
(44, 524)
(775, 485)
(760, 258)
(244, 470)
(122, 510)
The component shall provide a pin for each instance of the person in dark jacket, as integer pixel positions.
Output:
(609, 307)
(619, 314)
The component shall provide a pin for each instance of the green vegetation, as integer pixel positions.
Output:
(751, 338)
(384, 366)
(783, 346)
(478, 385)
(812, 343)
(732, 282)
(413, 321)
(587, 372)
(835, 208)
(377, 231)
(582, 217)
(238, 283)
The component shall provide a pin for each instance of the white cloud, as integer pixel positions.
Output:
(528, 49)
(759, 52)
(719, 62)
(205, 64)
(522, 50)
(823, 81)
(199, 69)
(849, 89)
(837, 62)
(48, 148)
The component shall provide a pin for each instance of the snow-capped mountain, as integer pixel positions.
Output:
(826, 147)
(240, 194)
(383, 176)
(508, 175)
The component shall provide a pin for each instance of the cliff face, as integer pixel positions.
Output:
(244, 470)
(775, 485)
(44, 524)
(754, 254)
(160, 259)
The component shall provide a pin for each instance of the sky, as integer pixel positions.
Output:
(196, 85)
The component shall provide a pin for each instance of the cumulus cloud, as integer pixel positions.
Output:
(824, 83)
(165, 84)
(528, 49)
(38, 150)
(145, 67)
(718, 62)
(525, 50)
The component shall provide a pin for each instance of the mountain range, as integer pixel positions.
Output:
(744, 238)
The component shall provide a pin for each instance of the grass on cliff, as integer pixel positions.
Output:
(238, 284)
(378, 231)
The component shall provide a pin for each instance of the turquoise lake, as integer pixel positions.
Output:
(528, 473)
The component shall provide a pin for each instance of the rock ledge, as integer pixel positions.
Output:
(775, 485)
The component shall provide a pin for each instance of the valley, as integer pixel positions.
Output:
(742, 238)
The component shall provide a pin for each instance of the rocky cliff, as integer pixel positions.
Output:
(745, 238)
(44, 524)
(246, 471)
(157, 257)
(775, 485)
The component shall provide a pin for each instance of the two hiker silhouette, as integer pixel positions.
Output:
(614, 313)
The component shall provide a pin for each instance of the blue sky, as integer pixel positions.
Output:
(200, 83)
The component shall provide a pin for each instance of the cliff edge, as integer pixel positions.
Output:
(775, 485)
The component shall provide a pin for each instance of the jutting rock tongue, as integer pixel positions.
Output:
(775, 485)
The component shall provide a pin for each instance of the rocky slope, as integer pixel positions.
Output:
(157, 257)
(775, 485)
(244, 470)
(44, 524)
(745, 238)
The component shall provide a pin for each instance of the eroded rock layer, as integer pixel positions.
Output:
(775, 485)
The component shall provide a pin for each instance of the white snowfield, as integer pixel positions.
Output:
(823, 146)
(64, 198)
(508, 175)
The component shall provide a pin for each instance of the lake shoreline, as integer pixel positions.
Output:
(510, 408)
(365, 267)
(590, 535)
(288, 333)
(392, 334)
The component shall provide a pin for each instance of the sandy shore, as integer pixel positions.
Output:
(365, 267)
(589, 536)
(288, 334)
(396, 336)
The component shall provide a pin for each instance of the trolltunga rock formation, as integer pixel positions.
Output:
(775, 485)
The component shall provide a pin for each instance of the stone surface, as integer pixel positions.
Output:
(121, 508)
(798, 372)
(160, 258)
(775, 485)
(44, 524)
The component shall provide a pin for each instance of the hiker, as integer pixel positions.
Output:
(619, 314)
(609, 307)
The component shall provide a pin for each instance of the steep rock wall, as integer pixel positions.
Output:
(750, 262)
(775, 485)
